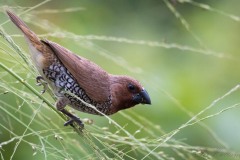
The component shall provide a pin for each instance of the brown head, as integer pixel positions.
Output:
(126, 92)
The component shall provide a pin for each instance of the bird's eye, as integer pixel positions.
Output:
(131, 87)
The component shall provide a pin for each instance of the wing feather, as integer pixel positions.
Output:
(92, 78)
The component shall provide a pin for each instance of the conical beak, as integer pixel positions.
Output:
(142, 97)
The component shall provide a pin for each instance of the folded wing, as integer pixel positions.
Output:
(92, 78)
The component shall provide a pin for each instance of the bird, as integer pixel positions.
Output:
(75, 79)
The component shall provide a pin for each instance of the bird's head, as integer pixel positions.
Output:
(126, 92)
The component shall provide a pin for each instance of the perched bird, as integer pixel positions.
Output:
(66, 73)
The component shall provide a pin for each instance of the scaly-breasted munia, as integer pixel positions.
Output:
(65, 71)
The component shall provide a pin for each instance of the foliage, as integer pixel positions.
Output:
(179, 66)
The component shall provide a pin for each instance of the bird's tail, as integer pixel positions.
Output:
(30, 35)
(41, 54)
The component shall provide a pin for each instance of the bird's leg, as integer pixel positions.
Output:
(72, 119)
(61, 104)
(40, 81)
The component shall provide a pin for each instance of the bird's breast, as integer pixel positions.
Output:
(64, 85)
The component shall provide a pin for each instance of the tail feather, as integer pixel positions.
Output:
(16, 20)
(41, 54)
(30, 35)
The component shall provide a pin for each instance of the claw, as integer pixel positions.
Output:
(61, 103)
(77, 120)
(40, 81)
(43, 91)
(69, 122)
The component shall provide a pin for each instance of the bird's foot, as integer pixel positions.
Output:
(41, 82)
(75, 119)
(72, 118)
(39, 79)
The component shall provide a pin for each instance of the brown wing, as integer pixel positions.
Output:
(93, 79)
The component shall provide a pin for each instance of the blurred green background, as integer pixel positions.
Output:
(185, 53)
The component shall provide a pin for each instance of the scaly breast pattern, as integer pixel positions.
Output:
(62, 81)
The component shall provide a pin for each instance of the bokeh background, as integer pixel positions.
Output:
(185, 53)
